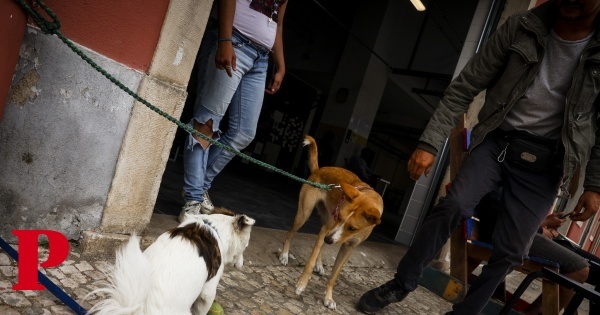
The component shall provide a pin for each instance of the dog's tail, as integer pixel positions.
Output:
(129, 283)
(313, 154)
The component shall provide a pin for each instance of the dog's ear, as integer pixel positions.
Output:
(372, 216)
(350, 191)
(243, 221)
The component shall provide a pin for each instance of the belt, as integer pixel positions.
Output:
(258, 45)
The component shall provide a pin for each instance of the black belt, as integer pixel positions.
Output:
(507, 136)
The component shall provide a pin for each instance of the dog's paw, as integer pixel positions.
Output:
(300, 287)
(319, 269)
(283, 258)
(330, 304)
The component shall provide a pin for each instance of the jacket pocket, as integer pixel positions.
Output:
(525, 51)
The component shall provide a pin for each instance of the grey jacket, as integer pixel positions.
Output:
(506, 66)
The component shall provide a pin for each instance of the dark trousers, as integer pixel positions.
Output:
(527, 198)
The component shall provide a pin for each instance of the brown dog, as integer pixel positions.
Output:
(349, 213)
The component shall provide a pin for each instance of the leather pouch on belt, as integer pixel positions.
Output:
(532, 155)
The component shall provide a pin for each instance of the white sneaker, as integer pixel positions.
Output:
(190, 208)
(207, 205)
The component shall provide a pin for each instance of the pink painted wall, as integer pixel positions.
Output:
(126, 31)
(12, 29)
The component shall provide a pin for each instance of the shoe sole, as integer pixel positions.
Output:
(366, 312)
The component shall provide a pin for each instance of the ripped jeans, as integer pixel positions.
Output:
(242, 95)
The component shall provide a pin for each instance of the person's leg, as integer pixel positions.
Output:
(571, 264)
(244, 112)
(216, 89)
(480, 174)
(527, 198)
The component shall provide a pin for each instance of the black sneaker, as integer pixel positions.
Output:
(376, 299)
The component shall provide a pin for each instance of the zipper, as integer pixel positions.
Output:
(528, 27)
(509, 105)
(566, 126)
(502, 155)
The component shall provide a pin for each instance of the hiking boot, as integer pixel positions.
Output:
(190, 208)
(375, 300)
(207, 205)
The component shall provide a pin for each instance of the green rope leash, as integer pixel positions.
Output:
(53, 28)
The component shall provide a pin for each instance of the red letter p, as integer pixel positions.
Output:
(28, 256)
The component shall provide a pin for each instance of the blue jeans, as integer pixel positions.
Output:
(241, 94)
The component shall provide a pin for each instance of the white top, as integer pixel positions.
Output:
(257, 20)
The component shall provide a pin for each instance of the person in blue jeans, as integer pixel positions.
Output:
(248, 33)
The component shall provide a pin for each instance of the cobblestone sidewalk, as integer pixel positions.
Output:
(253, 290)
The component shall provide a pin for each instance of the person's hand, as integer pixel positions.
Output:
(225, 57)
(589, 202)
(275, 83)
(420, 162)
(550, 233)
(554, 221)
(546, 232)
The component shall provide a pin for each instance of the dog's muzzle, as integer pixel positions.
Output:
(329, 239)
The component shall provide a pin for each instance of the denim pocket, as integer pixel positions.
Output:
(236, 41)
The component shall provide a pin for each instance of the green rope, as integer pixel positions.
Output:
(53, 28)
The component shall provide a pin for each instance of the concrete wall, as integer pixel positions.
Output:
(80, 156)
(60, 138)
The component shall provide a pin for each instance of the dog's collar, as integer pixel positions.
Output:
(335, 213)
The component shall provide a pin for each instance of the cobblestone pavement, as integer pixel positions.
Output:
(252, 290)
(263, 286)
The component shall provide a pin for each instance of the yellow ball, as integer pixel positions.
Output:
(216, 309)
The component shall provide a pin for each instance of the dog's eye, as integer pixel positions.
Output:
(352, 229)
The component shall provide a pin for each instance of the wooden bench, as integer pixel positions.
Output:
(581, 291)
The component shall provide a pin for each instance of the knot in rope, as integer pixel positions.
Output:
(47, 26)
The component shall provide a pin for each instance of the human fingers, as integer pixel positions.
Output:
(420, 161)
(225, 58)
(412, 165)
(274, 86)
(428, 170)
(233, 61)
(416, 172)
(590, 202)
(585, 215)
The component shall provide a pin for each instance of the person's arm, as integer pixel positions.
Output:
(553, 221)
(277, 54)
(482, 69)
(477, 74)
(588, 205)
(550, 233)
(225, 56)
(589, 201)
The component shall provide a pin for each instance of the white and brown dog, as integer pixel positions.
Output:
(349, 214)
(179, 273)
